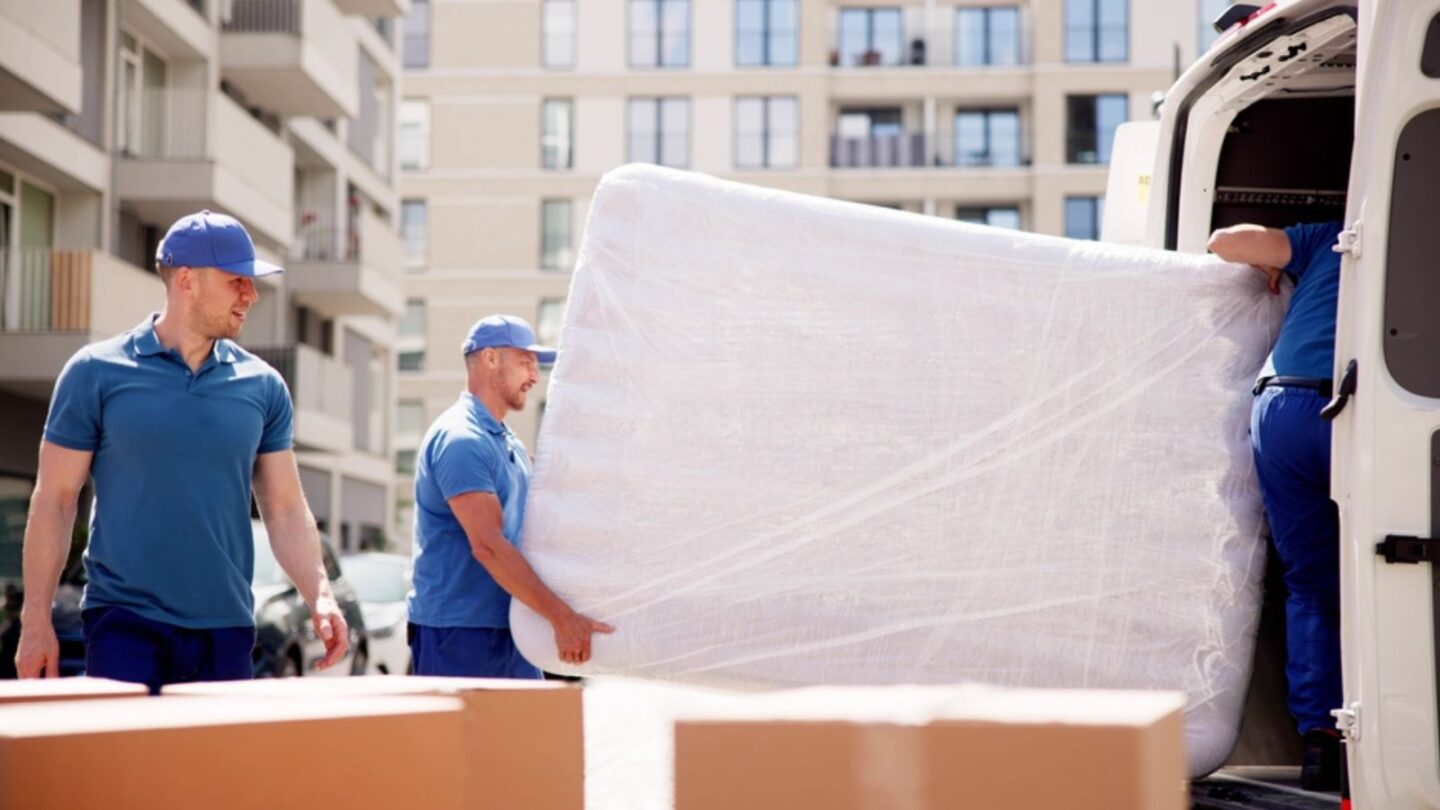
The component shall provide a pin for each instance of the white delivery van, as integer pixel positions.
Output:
(1308, 110)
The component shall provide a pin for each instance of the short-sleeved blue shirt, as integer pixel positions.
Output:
(1306, 347)
(466, 450)
(174, 457)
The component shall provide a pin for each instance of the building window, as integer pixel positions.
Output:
(410, 417)
(557, 140)
(660, 131)
(767, 32)
(766, 134)
(412, 142)
(417, 35)
(405, 461)
(415, 230)
(558, 23)
(1082, 217)
(412, 322)
(987, 138)
(412, 360)
(997, 217)
(1210, 11)
(555, 241)
(870, 36)
(1090, 126)
(987, 36)
(1097, 30)
(547, 326)
(659, 33)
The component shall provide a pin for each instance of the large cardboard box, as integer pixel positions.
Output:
(47, 689)
(523, 748)
(213, 753)
(934, 748)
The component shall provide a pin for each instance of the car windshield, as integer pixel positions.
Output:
(267, 569)
(377, 580)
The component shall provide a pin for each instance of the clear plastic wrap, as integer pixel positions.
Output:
(795, 441)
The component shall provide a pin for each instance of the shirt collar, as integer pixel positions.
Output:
(483, 416)
(148, 343)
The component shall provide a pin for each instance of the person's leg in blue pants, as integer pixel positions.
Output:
(1292, 458)
(473, 652)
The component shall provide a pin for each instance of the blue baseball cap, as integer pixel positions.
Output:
(506, 331)
(211, 240)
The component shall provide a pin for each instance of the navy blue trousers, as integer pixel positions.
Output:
(1292, 458)
(472, 652)
(125, 646)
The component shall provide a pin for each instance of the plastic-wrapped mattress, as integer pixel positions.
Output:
(796, 441)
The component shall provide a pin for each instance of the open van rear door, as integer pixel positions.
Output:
(1386, 476)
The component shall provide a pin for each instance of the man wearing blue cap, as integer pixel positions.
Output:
(470, 486)
(177, 424)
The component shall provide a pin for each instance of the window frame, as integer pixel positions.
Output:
(766, 133)
(1094, 29)
(562, 259)
(767, 34)
(423, 138)
(987, 57)
(568, 164)
(659, 143)
(659, 8)
(870, 13)
(546, 36)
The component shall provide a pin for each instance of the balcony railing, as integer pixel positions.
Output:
(264, 16)
(878, 151)
(317, 381)
(50, 291)
(367, 240)
(164, 124)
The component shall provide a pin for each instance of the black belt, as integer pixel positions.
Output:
(1324, 387)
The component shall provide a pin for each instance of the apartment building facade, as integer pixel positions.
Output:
(993, 111)
(119, 116)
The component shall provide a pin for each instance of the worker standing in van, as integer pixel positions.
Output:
(1292, 459)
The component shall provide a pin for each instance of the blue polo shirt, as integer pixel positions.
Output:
(1306, 346)
(174, 454)
(466, 450)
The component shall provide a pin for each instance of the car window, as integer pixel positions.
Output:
(377, 580)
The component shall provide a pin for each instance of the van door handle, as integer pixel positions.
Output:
(1342, 396)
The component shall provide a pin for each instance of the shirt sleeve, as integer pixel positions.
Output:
(1306, 241)
(464, 464)
(279, 433)
(74, 420)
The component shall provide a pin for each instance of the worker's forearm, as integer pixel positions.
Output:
(510, 571)
(47, 545)
(296, 543)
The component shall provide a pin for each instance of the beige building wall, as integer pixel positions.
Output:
(485, 84)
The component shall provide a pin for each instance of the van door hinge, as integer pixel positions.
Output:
(1406, 549)
(1349, 241)
(1347, 720)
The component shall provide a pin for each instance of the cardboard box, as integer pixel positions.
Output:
(46, 689)
(158, 754)
(922, 748)
(523, 746)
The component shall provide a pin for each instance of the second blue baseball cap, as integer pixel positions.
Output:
(208, 239)
(506, 331)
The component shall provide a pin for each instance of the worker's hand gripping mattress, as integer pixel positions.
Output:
(792, 441)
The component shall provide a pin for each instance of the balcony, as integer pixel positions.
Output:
(354, 270)
(902, 150)
(173, 163)
(296, 57)
(54, 301)
(374, 8)
(322, 389)
(40, 67)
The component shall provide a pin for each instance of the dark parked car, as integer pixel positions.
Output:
(285, 641)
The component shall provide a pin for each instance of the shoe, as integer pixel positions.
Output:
(1320, 769)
